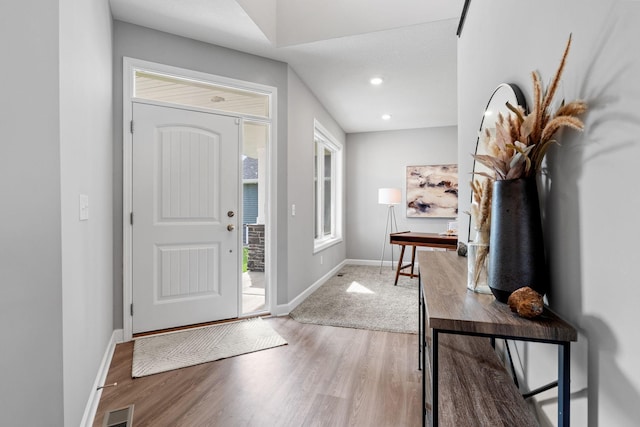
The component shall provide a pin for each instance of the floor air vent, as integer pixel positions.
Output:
(122, 417)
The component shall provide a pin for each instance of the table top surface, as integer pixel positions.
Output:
(452, 307)
(409, 237)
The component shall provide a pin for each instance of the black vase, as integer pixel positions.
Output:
(516, 251)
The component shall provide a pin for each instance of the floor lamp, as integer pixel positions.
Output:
(389, 197)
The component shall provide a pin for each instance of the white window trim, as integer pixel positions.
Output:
(324, 242)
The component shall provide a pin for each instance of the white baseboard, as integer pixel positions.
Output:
(369, 262)
(284, 309)
(94, 398)
(390, 264)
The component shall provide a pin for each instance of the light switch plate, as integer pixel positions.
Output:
(84, 207)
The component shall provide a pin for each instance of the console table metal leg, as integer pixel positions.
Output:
(424, 389)
(420, 326)
(422, 351)
(564, 392)
(434, 377)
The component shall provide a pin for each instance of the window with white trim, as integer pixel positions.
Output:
(327, 188)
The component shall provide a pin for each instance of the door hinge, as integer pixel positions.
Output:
(131, 309)
(237, 121)
(131, 218)
(131, 126)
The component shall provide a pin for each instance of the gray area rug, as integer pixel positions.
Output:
(174, 350)
(361, 297)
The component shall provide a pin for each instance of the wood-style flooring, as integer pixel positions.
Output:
(325, 376)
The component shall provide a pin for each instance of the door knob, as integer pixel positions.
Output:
(231, 227)
(230, 214)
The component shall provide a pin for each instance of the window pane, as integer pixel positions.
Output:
(159, 87)
(315, 188)
(327, 209)
(255, 142)
(327, 193)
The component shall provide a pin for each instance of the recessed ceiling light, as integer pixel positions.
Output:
(386, 116)
(376, 81)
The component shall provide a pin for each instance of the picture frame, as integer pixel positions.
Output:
(432, 191)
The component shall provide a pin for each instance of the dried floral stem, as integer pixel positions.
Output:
(551, 91)
(482, 191)
(481, 256)
(522, 140)
(481, 208)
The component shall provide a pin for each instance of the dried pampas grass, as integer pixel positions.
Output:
(481, 214)
(481, 208)
(522, 140)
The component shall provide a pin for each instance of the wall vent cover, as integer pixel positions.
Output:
(122, 417)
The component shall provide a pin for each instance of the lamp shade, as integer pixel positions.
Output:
(389, 196)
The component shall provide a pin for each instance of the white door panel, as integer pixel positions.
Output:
(185, 181)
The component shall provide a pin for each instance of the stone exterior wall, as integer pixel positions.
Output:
(256, 247)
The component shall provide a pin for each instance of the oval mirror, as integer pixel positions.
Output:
(505, 92)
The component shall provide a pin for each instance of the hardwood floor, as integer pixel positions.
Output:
(325, 376)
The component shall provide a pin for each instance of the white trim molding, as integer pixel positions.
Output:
(284, 309)
(324, 141)
(94, 397)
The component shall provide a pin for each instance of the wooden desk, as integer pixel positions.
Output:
(407, 238)
(447, 307)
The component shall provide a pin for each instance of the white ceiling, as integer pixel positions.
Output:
(335, 46)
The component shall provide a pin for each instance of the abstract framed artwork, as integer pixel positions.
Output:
(432, 191)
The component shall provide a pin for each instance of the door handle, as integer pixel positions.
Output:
(231, 227)
(230, 214)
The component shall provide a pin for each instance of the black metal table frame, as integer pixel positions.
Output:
(564, 364)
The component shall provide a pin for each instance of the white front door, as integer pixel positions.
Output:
(185, 248)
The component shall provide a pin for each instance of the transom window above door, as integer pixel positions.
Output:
(194, 93)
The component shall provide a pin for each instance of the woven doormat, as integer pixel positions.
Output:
(174, 350)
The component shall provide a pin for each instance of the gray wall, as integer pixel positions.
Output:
(150, 45)
(56, 122)
(30, 250)
(379, 160)
(86, 141)
(589, 191)
(305, 267)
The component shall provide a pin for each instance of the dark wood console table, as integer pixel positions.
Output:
(408, 238)
(465, 324)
